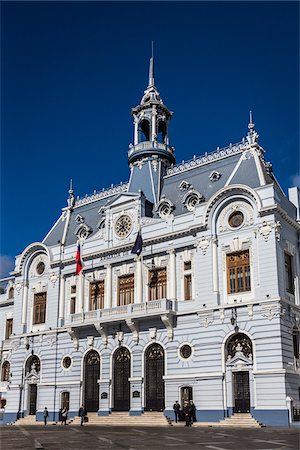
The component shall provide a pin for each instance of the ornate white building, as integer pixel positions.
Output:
(208, 311)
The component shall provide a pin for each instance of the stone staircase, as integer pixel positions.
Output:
(124, 419)
(240, 420)
(30, 420)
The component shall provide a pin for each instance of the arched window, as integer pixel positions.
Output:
(239, 342)
(11, 293)
(144, 131)
(296, 342)
(5, 373)
(161, 132)
(33, 363)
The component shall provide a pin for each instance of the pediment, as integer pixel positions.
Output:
(32, 378)
(239, 360)
(122, 199)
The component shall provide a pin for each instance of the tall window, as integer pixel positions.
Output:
(289, 277)
(8, 328)
(73, 300)
(39, 308)
(187, 267)
(126, 290)
(11, 293)
(5, 371)
(296, 342)
(157, 284)
(97, 295)
(238, 272)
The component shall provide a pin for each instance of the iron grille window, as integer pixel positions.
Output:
(238, 272)
(289, 278)
(39, 308)
(97, 295)
(157, 284)
(126, 290)
(5, 371)
(8, 328)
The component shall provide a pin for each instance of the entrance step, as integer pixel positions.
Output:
(241, 420)
(124, 419)
(30, 420)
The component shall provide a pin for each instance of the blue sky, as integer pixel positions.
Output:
(72, 71)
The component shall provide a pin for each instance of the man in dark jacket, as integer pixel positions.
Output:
(82, 413)
(45, 414)
(176, 408)
(187, 413)
(193, 411)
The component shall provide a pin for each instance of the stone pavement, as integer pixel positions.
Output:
(145, 438)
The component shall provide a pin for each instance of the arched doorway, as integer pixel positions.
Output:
(239, 363)
(91, 376)
(154, 372)
(32, 377)
(121, 379)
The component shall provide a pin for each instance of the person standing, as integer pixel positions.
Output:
(193, 411)
(176, 408)
(82, 413)
(45, 414)
(187, 413)
(64, 415)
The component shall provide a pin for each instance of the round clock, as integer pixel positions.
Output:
(123, 226)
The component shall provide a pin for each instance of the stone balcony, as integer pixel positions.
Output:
(132, 311)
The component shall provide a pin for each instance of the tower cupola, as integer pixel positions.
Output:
(151, 123)
(150, 155)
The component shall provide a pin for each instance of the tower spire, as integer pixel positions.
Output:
(151, 68)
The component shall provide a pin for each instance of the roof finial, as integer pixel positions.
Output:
(151, 67)
(252, 135)
(71, 198)
(251, 124)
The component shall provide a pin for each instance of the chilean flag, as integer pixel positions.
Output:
(79, 264)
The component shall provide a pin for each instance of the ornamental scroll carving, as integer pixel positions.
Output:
(266, 228)
(203, 243)
(206, 318)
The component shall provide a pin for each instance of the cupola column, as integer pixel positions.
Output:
(153, 124)
(136, 135)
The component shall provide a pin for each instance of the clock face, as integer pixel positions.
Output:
(123, 226)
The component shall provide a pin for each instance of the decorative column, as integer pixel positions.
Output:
(138, 298)
(172, 273)
(215, 264)
(62, 300)
(136, 137)
(153, 125)
(108, 287)
(24, 305)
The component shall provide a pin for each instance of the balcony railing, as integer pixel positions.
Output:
(135, 310)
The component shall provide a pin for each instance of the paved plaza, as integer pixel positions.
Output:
(146, 438)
